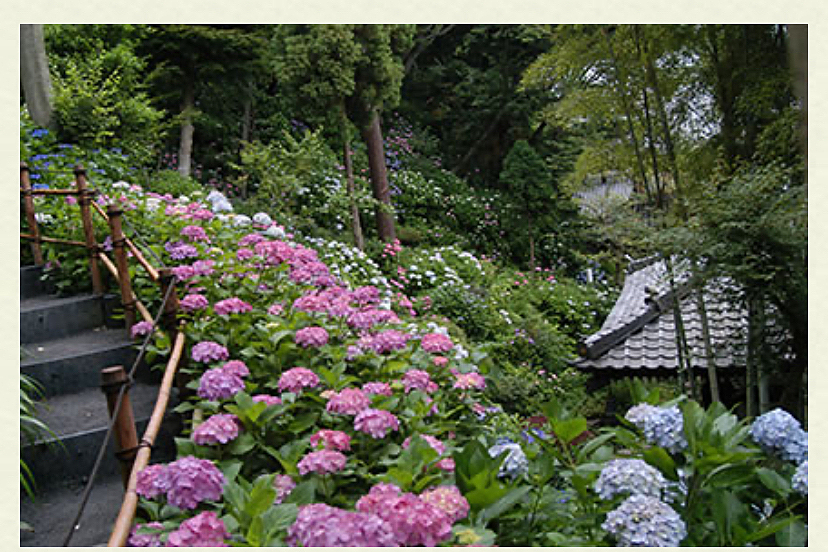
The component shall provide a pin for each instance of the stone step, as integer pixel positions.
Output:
(49, 317)
(74, 363)
(79, 420)
(31, 283)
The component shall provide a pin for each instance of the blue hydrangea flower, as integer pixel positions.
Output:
(629, 475)
(645, 521)
(800, 479)
(639, 413)
(777, 431)
(664, 427)
(515, 463)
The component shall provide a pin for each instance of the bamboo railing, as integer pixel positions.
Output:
(119, 270)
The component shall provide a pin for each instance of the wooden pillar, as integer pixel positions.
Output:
(169, 320)
(28, 202)
(126, 435)
(84, 200)
(120, 254)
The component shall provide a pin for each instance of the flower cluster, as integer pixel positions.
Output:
(376, 423)
(205, 529)
(323, 525)
(432, 441)
(233, 305)
(779, 432)
(209, 351)
(195, 233)
(193, 302)
(799, 483)
(384, 341)
(413, 521)
(663, 427)
(284, 484)
(186, 482)
(296, 379)
(645, 521)
(331, 439)
(418, 379)
(515, 463)
(217, 384)
(322, 462)
(471, 380)
(141, 329)
(218, 428)
(314, 336)
(629, 475)
(377, 388)
(146, 534)
(349, 401)
(436, 343)
(448, 499)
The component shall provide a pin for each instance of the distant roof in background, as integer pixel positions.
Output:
(640, 333)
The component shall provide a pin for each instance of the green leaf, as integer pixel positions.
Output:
(569, 430)
(794, 534)
(261, 496)
(774, 481)
(303, 493)
(503, 504)
(242, 444)
(659, 458)
(255, 533)
(279, 518)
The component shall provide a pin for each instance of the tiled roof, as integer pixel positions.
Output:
(640, 332)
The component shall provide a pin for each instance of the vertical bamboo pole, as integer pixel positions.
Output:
(119, 252)
(169, 318)
(126, 435)
(84, 199)
(28, 202)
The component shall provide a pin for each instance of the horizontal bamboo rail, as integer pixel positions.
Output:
(52, 192)
(123, 524)
(52, 240)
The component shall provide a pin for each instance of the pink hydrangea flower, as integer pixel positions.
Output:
(376, 423)
(251, 239)
(237, 368)
(349, 401)
(180, 250)
(413, 521)
(377, 388)
(331, 439)
(322, 462)
(276, 309)
(471, 380)
(191, 480)
(433, 442)
(151, 481)
(319, 525)
(217, 429)
(366, 295)
(141, 329)
(183, 272)
(449, 499)
(436, 343)
(139, 539)
(269, 400)
(217, 384)
(244, 254)
(204, 267)
(310, 302)
(233, 305)
(385, 341)
(284, 484)
(195, 233)
(417, 379)
(445, 464)
(296, 379)
(193, 302)
(440, 361)
(209, 351)
(313, 336)
(204, 530)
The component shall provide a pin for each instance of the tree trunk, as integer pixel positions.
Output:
(372, 134)
(752, 354)
(712, 374)
(247, 116)
(185, 149)
(356, 226)
(798, 55)
(660, 204)
(34, 74)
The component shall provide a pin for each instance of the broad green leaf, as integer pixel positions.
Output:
(503, 504)
(773, 481)
(794, 534)
(659, 458)
(569, 430)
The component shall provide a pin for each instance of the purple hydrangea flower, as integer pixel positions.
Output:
(141, 329)
(376, 423)
(296, 379)
(331, 439)
(209, 351)
(193, 302)
(312, 337)
(183, 272)
(418, 379)
(629, 475)
(179, 251)
(349, 401)
(436, 343)
(645, 521)
(204, 267)
(471, 380)
(191, 480)
(143, 539)
(217, 429)
(269, 400)
(322, 462)
(151, 481)
(233, 305)
(320, 525)
(276, 309)
(413, 521)
(377, 388)
(448, 499)
(203, 530)
(385, 341)
(236, 367)
(284, 484)
(217, 384)
(195, 233)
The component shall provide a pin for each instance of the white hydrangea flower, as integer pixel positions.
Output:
(263, 219)
(241, 220)
(629, 475)
(275, 231)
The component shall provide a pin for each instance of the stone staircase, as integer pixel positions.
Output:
(65, 342)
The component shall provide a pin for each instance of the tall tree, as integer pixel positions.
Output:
(34, 74)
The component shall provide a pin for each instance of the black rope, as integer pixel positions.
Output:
(94, 473)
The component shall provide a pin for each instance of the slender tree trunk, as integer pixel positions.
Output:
(660, 204)
(798, 55)
(712, 374)
(185, 149)
(372, 134)
(247, 116)
(34, 74)
(627, 111)
(761, 364)
(752, 354)
(356, 226)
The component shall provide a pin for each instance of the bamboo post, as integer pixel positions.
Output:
(84, 200)
(123, 524)
(169, 318)
(119, 252)
(126, 436)
(28, 202)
